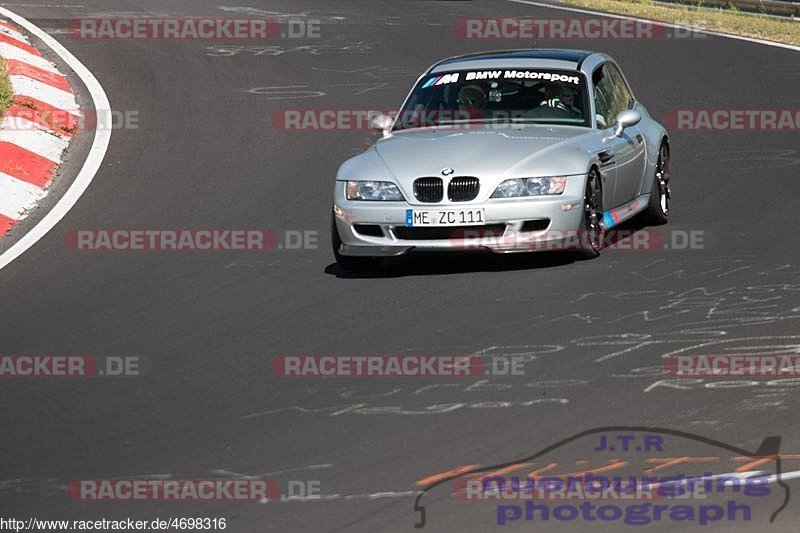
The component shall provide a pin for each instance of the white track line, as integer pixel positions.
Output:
(666, 24)
(97, 152)
(752, 474)
(785, 476)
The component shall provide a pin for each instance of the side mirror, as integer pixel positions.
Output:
(382, 122)
(626, 119)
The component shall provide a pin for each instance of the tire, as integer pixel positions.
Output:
(658, 209)
(358, 264)
(592, 226)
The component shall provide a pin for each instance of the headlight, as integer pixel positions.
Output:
(373, 190)
(530, 187)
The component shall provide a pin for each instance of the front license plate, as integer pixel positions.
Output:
(445, 217)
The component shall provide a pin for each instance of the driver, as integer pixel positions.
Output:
(471, 99)
(565, 101)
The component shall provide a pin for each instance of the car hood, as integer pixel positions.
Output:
(490, 153)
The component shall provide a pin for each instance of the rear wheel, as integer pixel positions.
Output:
(660, 193)
(349, 262)
(592, 241)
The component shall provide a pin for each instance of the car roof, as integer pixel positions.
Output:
(532, 57)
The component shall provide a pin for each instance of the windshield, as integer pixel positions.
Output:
(498, 95)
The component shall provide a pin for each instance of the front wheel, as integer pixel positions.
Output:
(349, 262)
(592, 242)
(660, 193)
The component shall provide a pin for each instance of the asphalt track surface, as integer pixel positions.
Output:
(206, 155)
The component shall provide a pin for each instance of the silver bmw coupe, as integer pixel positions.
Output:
(508, 151)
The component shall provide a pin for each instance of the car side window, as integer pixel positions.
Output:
(623, 99)
(611, 94)
(602, 100)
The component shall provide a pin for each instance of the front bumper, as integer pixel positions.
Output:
(511, 225)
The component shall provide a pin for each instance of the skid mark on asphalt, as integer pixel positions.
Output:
(129, 14)
(375, 72)
(753, 159)
(6, 4)
(345, 497)
(317, 49)
(360, 89)
(429, 410)
(316, 498)
(239, 475)
(281, 16)
(286, 92)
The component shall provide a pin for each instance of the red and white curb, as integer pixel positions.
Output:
(35, 130)
(100, 108)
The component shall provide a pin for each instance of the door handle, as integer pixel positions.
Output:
(639, 138)
(605, 156)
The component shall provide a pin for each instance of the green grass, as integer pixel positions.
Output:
(6, 93)
(733, 21)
